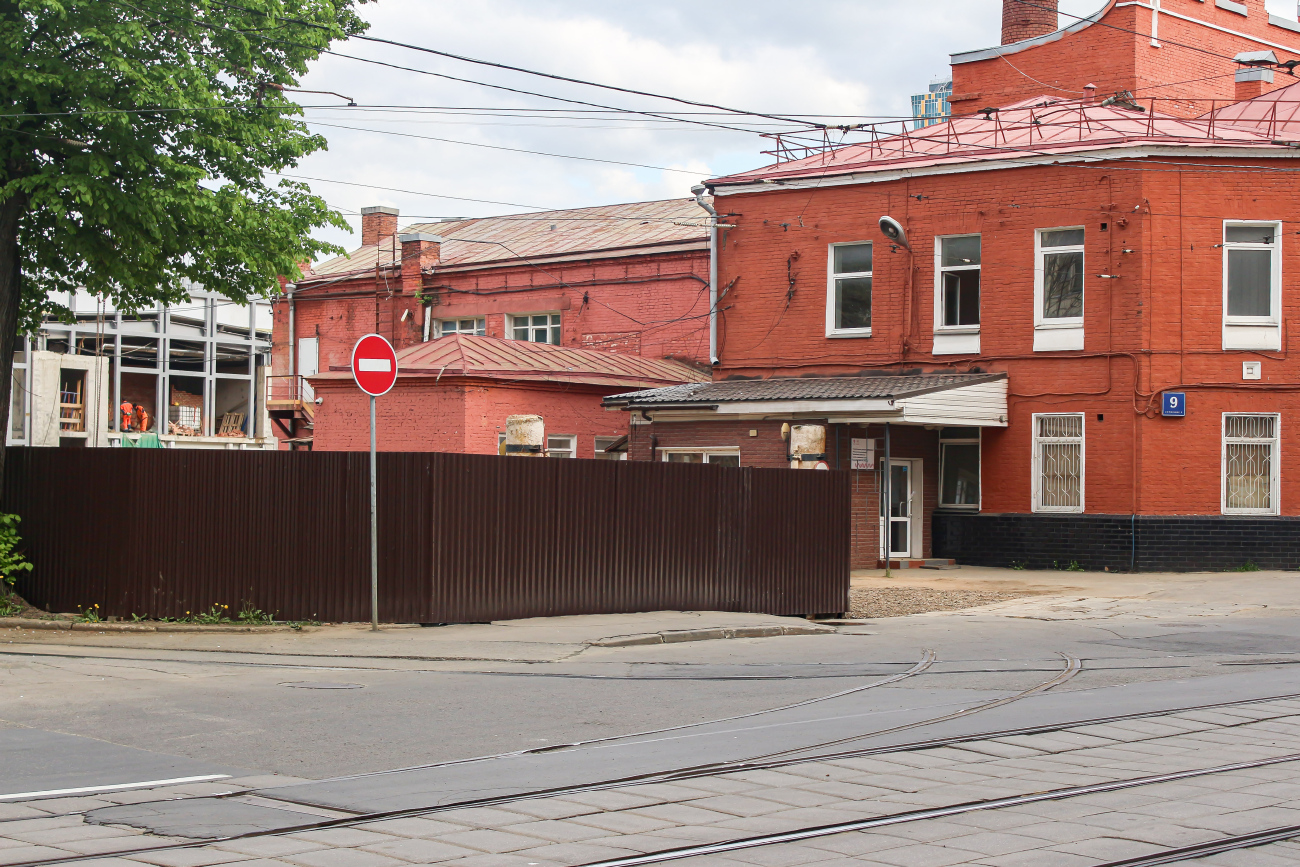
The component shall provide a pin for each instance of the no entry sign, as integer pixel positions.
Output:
(374, 365)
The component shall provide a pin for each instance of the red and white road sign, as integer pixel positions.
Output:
(374, 365)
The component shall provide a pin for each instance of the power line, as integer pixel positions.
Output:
(545, 215)
(520, 69)
(1128, 30)
(510, 149)
(268, 40)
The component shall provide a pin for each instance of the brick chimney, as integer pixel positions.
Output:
(377, 224)
(1025, 20)
(1253, 82)
(420, 250)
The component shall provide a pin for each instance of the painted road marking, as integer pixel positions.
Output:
(18, 796)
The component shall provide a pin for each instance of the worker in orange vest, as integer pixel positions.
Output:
(141, 418)
(128, 411)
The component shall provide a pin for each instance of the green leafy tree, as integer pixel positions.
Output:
(135, 139)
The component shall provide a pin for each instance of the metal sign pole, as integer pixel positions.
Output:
(888, 494)
(374, 530)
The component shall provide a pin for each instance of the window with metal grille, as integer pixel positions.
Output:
(1250, 464)
(1058, 463)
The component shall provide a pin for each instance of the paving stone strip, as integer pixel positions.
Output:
(591, 827)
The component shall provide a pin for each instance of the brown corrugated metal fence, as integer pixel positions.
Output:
(462, 538)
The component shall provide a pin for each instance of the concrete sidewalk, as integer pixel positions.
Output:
(540, 639)
(1060, 595)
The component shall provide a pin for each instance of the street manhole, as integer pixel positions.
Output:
(322, 685)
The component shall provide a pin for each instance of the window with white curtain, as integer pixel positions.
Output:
(1252, 285)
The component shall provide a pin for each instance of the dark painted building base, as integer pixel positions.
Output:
(1145, 543)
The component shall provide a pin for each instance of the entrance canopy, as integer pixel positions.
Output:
(956, 399)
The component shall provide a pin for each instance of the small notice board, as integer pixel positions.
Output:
(862, 454)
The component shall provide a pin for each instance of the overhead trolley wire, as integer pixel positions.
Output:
(1101, 23)
(504, 148)
(534, 72)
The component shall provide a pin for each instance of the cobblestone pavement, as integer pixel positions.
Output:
(579, 829)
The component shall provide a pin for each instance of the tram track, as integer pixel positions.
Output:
(1072, 667)
(875, 822)
(812, 832)
(762, 762)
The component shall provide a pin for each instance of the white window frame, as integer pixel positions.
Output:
(943, 459)
(1275, 469)
(706, 451)
(831, 276)
(601, 454)
(480, 326)
(1254, 332)
(1037, 477)
(553, 325)
(571, 448)
(955, 339)
(1057, 334)
(22, 408)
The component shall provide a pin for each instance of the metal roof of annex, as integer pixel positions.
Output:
(542, 236)
(472, 356)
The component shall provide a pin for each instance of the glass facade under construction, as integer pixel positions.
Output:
(186, 372)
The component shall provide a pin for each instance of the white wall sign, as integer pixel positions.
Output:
(862, 454)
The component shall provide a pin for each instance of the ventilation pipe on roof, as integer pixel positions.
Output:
(699, 190)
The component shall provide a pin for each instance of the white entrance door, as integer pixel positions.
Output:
(900, 524)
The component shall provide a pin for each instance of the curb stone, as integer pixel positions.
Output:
(76, 626)
(674, 636)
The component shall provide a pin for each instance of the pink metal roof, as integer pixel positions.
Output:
(1275, 114)
(543, 236)
(459, 355)
(1025, 130)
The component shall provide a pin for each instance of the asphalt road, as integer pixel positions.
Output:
(77, 713)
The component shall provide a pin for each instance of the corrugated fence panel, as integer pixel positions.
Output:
(462, 538)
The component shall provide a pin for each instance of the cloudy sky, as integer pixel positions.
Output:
(847, 60)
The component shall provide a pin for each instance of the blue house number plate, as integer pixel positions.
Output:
(1173, 403)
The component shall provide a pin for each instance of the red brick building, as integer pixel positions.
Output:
(625, 279)
(1177, 52)
(454, 394)
(1075, 320)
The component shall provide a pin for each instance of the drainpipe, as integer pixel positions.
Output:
(293, 347)
(699, 191)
